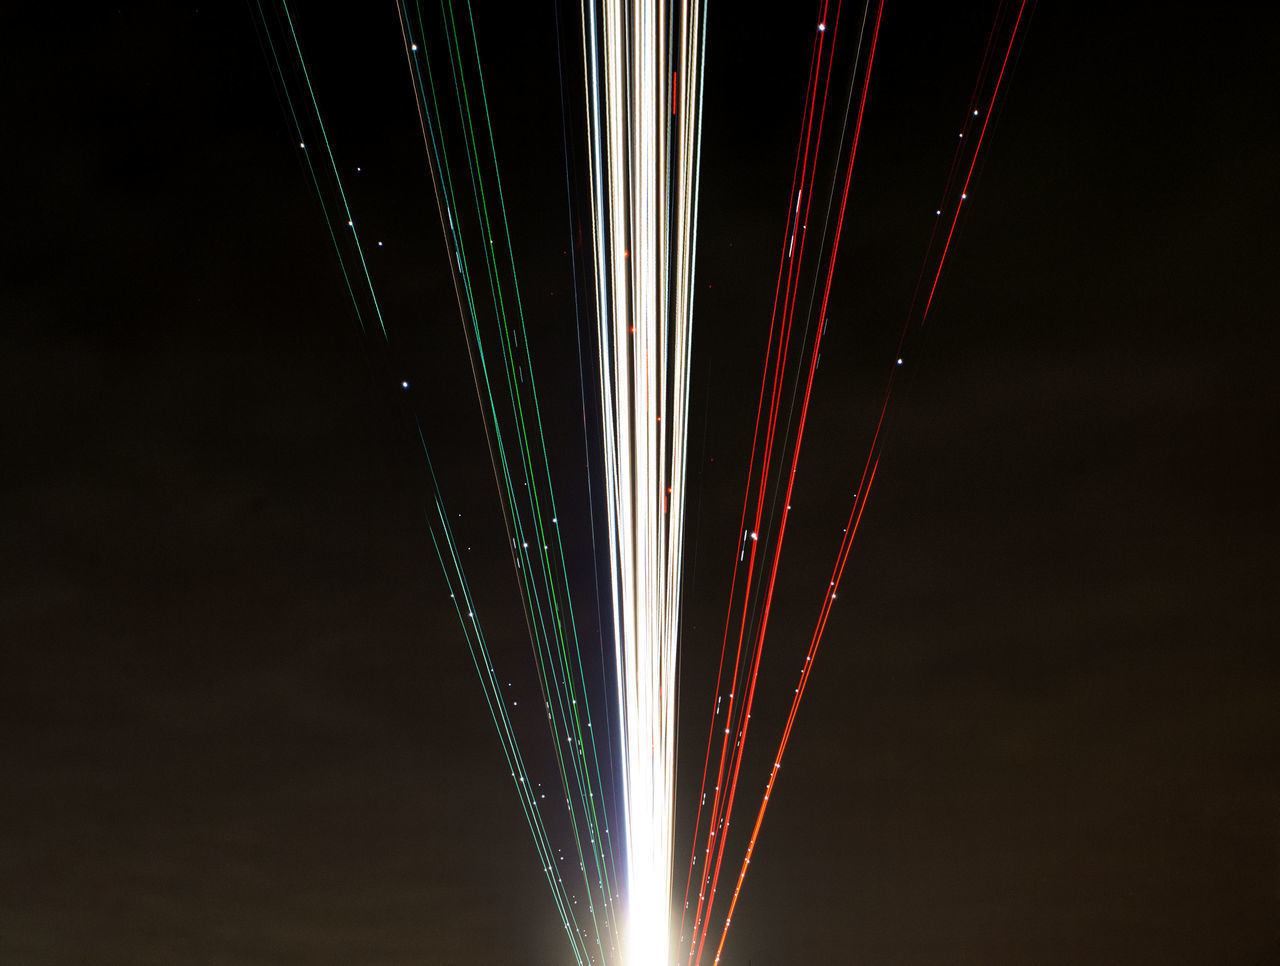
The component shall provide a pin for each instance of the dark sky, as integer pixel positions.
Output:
(240, 725)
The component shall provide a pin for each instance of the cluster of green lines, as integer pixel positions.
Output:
(457, 133)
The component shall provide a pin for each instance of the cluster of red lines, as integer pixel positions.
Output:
(775, 457)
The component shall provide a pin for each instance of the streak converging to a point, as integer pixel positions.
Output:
(644, 90)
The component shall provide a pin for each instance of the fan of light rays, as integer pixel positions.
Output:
(643, 89)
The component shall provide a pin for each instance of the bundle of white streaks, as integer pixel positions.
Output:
(643, 75)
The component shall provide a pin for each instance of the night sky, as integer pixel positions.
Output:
(239, 723)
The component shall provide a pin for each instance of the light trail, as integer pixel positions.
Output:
(964, 190)
(644, 90)
(465, 607)
(798, 179)
(735, 728)
(517, 443)
(875, 447)
(517, 446)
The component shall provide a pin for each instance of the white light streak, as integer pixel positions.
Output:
(644, 90)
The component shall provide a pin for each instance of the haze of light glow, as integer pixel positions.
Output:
(644, 90)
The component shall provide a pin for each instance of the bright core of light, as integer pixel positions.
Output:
(644, 91)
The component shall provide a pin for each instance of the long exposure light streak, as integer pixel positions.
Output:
(517, 443)
(759, 598)
(643, 65)
(643, 90)
(517, 447)
(874, 449)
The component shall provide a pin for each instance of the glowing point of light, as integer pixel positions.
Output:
(899, 362)
(404, 383)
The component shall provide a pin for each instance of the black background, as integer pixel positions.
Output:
(239, 722)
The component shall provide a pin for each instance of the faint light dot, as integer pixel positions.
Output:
(963, 197)
(380, 243)
(975, 113)
(303, 145)
(899, 362)
(822, 27)
(404, 383)
(413, 46)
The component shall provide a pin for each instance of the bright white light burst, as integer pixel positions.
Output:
(644, 92)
